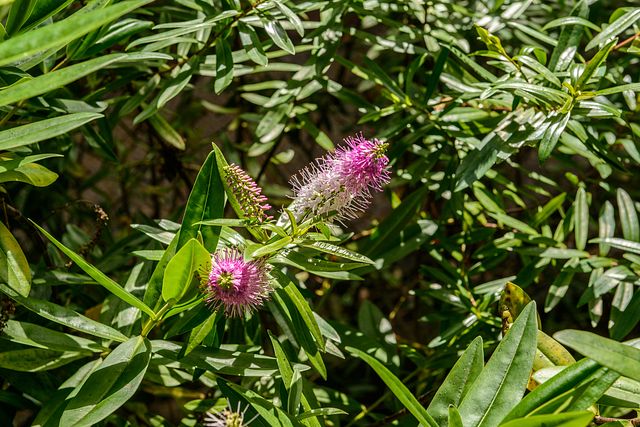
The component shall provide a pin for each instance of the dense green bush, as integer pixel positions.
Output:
(509, 133)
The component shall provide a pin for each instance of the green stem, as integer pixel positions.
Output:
(152, 322)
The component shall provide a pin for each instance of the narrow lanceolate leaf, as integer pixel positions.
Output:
(65, 316)
(43, 129)
(628, 216)
(552, 135)
(206, 201)
(568, 419)
(617, 27)
(581, 219)
(565, 50)
(55, 79)
(503, 381)
(279, 36)
(339, 251)
(562, 382)
(284, 366)
(606, 226)
(38, 336)
(14, 268)
(110, 386)
(593, 65)
(397, 388)
(619, 357)
(458, 382)
(224, 67)
(62, 32)
(98, 275)
(252, 44)
(560, 285)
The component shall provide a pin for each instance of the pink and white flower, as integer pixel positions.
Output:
(341, 182)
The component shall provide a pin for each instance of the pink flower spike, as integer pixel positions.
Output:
(236, 285)
(341, 181)
(248, 194)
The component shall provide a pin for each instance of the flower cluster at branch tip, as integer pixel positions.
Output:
(341, 181)
(227, 418)
(248, 193)
(236, 285)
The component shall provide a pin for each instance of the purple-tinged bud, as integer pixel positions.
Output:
(248, 193)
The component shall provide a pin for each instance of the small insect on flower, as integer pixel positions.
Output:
(341, 182)
(248, 193)
(234, 284)
(227, 418)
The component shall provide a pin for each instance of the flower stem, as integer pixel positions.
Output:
(152, 322)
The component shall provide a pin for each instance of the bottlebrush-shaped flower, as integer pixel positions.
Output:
(248, 193)
(236, 285)
(341, 181)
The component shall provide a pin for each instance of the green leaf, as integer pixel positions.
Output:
(560, 285)
(26, 359)
(614, 29)
(29, 173)
(206, 201)
(153, 293)
(110, 386)
(397, 388)
(43, 129)
(619, 357)
(200, 332)
(14, 268)
(65, 316)
(41, 337)
(249, 39)
(224, 67)
(625, 245)
(284, 366)
(455, 420)
(60, 33)
(593, 65)
(571, 20)
(295, 392)
(166, 131)
(569, 40)
(301, 305)
(606, 226)
(181, 270)
(227, 360)
(564, 381)
(502, 382)
(55, 79)
(568, 419)
(558, 122)
(628, 216)
(628, 319)
(632, 87)
(98, 275)
(457, 382)
(279, 36)
(339, 252)
(581, 219)
(18, 15)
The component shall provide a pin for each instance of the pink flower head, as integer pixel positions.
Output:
(341, 182)
(237, 285)
(249, 194)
